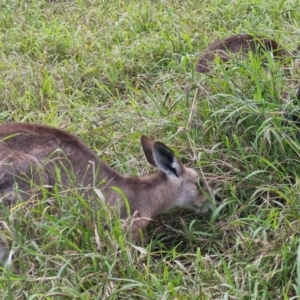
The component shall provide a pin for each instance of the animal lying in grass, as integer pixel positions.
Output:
(34, 155)
(234, 45)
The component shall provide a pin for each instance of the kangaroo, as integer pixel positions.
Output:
(237, 44)
(31, 155)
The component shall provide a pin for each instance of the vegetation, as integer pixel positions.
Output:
(110, 71)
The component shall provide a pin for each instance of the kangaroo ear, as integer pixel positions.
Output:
(148, 145)
(166, 160)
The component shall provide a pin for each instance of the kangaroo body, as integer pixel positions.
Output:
(236, 44)
(34, 155)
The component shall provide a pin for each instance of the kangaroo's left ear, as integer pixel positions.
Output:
(166, 160)
(148, 146)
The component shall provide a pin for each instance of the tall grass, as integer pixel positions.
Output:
(110, 71)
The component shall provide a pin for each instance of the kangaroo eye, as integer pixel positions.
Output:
(200, 184)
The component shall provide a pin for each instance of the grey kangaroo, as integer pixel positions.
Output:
(237, 44)
(31, 154)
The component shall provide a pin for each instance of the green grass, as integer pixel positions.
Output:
(110, 71)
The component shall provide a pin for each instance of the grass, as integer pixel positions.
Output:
(110, 71)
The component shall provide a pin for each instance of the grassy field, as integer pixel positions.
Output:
(110, 71)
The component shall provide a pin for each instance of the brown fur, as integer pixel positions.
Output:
(30, 155)
(236, 44)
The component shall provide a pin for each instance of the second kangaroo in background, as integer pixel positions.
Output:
(237, 44)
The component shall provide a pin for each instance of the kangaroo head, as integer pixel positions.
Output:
(185, 188)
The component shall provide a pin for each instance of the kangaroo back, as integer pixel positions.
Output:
(33, 154)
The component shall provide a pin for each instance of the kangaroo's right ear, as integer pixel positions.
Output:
(148, 146)
(166, 160)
